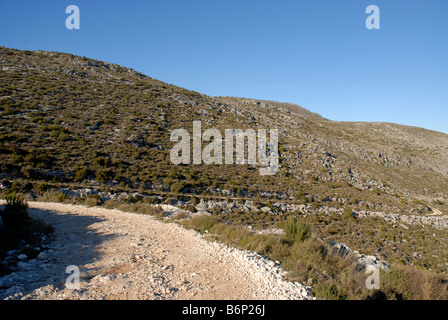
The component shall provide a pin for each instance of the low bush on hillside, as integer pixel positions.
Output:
(202, 223)
(410, 283)
(19, 228)
(296, 230)
(92, 200)
(15, 213)
(136, 207)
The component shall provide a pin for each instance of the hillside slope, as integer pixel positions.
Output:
(103, 122)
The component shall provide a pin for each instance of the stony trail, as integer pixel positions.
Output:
(132, 256)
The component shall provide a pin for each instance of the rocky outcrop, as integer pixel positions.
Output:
(439, 222)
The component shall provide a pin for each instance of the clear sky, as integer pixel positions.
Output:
(316, 53)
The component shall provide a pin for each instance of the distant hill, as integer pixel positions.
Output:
(72, 120)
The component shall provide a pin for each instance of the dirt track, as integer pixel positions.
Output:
(131, 256)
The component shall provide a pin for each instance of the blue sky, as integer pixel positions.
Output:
(315, 53)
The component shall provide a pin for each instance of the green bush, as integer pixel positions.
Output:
(326, 291)
(190, 208)
(93, 200)
(194, 201)
(80, 174)
(397, 284)
(410, 283)
(111, 204)
(296, 230)
(103, 175)
(177, 187)
(203, 223)
(61, 197)
(50, 196)
(42, 187)
(348, 214)
(15, 213)
(154, 211)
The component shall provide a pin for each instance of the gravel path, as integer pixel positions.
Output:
(132, 256)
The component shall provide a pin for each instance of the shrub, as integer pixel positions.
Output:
(102, 162)
(203, 223)
(410, 283)
(296, 230)
(177, 187)
(156, 212)
(396, 283)
(50, 196)
(326, 292)
(93, 200)
(111, 204)
(42, 187)
(61, 197)
(194, 201)
(102, 175)
(15, 213)
(189, 208)
(80, 174)
(171, 201)
(348, 214)
(181, 215)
